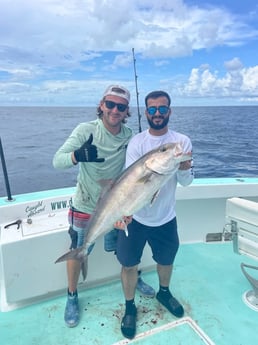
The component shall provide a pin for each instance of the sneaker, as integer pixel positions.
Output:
(71, 315)
(145, 289)
(169, 302)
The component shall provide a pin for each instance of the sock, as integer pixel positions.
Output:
(164, 290)
(139, 276)
(72, 294)
(130, 308)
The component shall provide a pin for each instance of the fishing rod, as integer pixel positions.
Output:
(137, 93)
(7, 185)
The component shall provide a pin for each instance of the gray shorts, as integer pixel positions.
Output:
(78, 222)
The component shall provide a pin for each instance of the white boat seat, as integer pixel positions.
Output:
(242, 217)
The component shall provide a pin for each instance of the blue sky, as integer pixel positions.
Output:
(66, 52)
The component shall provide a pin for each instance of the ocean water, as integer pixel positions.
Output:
(225, 142)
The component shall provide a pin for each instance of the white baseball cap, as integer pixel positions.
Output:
(117, 90)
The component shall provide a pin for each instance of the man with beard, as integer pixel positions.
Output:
(156, 223)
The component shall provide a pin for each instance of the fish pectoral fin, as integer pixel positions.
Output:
(146, 178)
(154, 197)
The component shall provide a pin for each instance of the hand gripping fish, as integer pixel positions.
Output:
(136, 187)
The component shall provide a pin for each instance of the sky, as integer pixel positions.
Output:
(66, 52)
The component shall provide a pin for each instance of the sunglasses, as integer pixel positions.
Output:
(120, 106)
(163, 109)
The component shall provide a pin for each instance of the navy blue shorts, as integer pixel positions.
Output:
(163, 240)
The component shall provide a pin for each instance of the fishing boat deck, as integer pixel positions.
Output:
(207, 279)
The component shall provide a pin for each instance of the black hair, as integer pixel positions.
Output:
(157, 94)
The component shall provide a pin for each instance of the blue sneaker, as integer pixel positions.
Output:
(71, 315)
(145, 289)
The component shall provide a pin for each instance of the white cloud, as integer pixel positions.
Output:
(51, 46)
(250, 80)
(124, 60)
(236, 82)
(54, 30)
(234, 64)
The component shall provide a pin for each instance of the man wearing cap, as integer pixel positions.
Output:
(99, 147)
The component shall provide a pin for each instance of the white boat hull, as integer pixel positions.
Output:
(27, 255)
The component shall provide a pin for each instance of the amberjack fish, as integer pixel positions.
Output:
(137, 186)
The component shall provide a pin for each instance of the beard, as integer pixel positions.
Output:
(158, 126)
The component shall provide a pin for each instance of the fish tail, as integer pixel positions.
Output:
(75, 254)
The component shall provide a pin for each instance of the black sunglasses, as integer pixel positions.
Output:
(120, 106)
(163, 109)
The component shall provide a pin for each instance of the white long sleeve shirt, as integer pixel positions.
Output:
(163, 208)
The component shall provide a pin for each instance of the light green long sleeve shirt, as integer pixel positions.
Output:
(109, 146)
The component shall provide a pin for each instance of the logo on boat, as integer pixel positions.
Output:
(36, 209)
